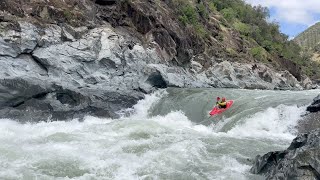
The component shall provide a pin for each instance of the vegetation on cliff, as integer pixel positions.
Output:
(309, 40)
(205, 31)
(266, 43)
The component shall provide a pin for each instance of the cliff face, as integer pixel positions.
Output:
(66, 59)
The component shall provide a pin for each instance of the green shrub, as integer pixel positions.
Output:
(188, 15)
(200, 30)
(229, 14)
(212, 7)
(203, 11)
(231, 52)
(258, 53)
(242, 28)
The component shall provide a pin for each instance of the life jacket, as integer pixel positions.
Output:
(223, 104)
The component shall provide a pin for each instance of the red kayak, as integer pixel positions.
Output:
(216, 110)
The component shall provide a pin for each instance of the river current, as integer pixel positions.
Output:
(167, 135)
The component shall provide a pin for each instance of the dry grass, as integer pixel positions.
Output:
(316, 57)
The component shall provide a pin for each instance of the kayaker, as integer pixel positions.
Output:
(222, 103)
(218, 101)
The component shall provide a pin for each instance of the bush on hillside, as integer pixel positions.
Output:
(259, 53)
(243, 28)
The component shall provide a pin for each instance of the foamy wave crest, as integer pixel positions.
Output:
(142, 107)
(272, 123)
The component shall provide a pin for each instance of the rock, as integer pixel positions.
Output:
(64, 72)
(309, 122)
(300, 161)
(97, 74)
(315, 105)
(306, 82)
(13, 43)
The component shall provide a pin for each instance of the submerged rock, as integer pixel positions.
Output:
(300, 161)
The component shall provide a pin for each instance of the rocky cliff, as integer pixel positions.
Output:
(66, 59)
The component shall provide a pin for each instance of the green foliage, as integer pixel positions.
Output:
(310, 38)
(252, 23)
(229, 14)
(231, 51)
(188, 15)
(67, 14)
(212, 7)
(200, 30)
(242, 28)
(258, 53)
(203, 11)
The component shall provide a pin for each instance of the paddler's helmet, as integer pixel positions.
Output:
(223, 99)
(218, 98)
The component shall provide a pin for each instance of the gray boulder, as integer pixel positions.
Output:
(315, 105)
(300, 161)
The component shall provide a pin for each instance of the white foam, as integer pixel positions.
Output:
(135, 146)
(273, 123)
(143, 106)
(232, 169)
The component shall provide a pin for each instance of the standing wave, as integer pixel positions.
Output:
(145, 145)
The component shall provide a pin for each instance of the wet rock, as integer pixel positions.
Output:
(315, 105)
(300, 161)
(309, 122)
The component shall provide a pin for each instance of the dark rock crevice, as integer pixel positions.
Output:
(105, 2)
(22, 101)
(39, 62)
(156, 80)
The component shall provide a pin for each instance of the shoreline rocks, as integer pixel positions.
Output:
(300, 161)
(101, 71)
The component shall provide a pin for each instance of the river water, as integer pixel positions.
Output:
(168, 135)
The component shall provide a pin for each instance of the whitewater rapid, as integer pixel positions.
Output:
(153, 140)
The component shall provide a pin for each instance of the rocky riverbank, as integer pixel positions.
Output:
(67, 59)
(301, 159)
(67, 72)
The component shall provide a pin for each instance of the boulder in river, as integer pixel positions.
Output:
(300, 161)
(315, 105)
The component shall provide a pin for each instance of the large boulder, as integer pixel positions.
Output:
(315, 105)
(300, 161)
(98, 73)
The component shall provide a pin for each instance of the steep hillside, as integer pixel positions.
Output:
(202, 30)
(70, 58)
(310, 38)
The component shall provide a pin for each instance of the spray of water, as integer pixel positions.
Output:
(141, 146)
